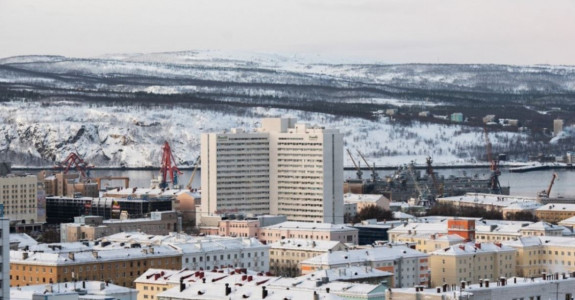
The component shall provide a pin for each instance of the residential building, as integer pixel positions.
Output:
(94, 227)
(206, 253)
(554, 212)
(357, 202)
(409, 267)
(285, 255)
(283, 168)
(544, 254)
(21, 241)
(62, 262)
(311, 231)
(533, 288)
(19, 195)
(471, 262)
(73, 290)
(237, 225)
(428, 243)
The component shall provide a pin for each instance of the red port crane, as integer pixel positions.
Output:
(167, 167)
(494, 184)
(74, 161)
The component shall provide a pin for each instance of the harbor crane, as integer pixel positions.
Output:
(167, 168)
(494, 184)
(196, 164)
(423, 195)
(374, 175)
(357, 167)
(74, 161)
(547, 193)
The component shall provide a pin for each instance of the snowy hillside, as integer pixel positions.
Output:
(38, 134)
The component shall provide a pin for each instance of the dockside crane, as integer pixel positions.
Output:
(374, 175)
(547, 193)
(494, 184)
(359, 172)
(74, 161)
(167, 168)
(423, 195)
(196, 164)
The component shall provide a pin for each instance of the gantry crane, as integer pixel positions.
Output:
(167, 168)
(74, 161)
(494, 184)
(359, 172)
(196, 164)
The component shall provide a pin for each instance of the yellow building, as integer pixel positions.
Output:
(471, 262)
(285, 255)
(543, 254)
(76, 261)
(555, 212)
(427, 243)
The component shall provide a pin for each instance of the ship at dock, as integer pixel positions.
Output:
(407, 184)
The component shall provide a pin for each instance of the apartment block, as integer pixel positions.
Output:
(543, 254)
(73, 291)
(121, 264)
(283, 168)
(19, 195)
(554, 212)
(409, 267)
(285, 255)
(471, 262)
(206, 253)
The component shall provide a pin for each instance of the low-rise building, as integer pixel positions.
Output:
(554, 213)
(84, 290)
(490, 201)
(311, 231)
(471, 262)
(409, 267)
(361, 201)
(504, 288)
(285, 255)
(428, 243)
(94, 227)
(206, 253)
(62, 262)
(544, 254)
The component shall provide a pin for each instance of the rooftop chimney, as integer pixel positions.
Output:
(264, 292)
(182, 285)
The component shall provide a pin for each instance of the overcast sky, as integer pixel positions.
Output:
(389, 31)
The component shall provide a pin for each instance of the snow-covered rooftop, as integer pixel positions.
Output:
(383, 253)
(557, 207)
(290, 225)
(472, 249)
(302, 244)
(490, 199)
(358, 198)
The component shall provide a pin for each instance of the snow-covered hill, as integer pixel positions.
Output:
(131, 136)
(118, 109)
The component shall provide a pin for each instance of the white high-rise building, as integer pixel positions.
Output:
(282, 168)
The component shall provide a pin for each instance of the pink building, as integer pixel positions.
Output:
(239, 228)
(311, 231)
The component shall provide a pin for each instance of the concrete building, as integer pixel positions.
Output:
(506, 288)
(285, 255)
(428, 243)
(557, 126)
(471, 262)
(456, 117)
(206, 253)
(19, 195)
(21, 241)
(409, 267)
(238, 226)
(81, 290)
(311, 231)
(284, 168)
(94, 227)
(62, 262)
